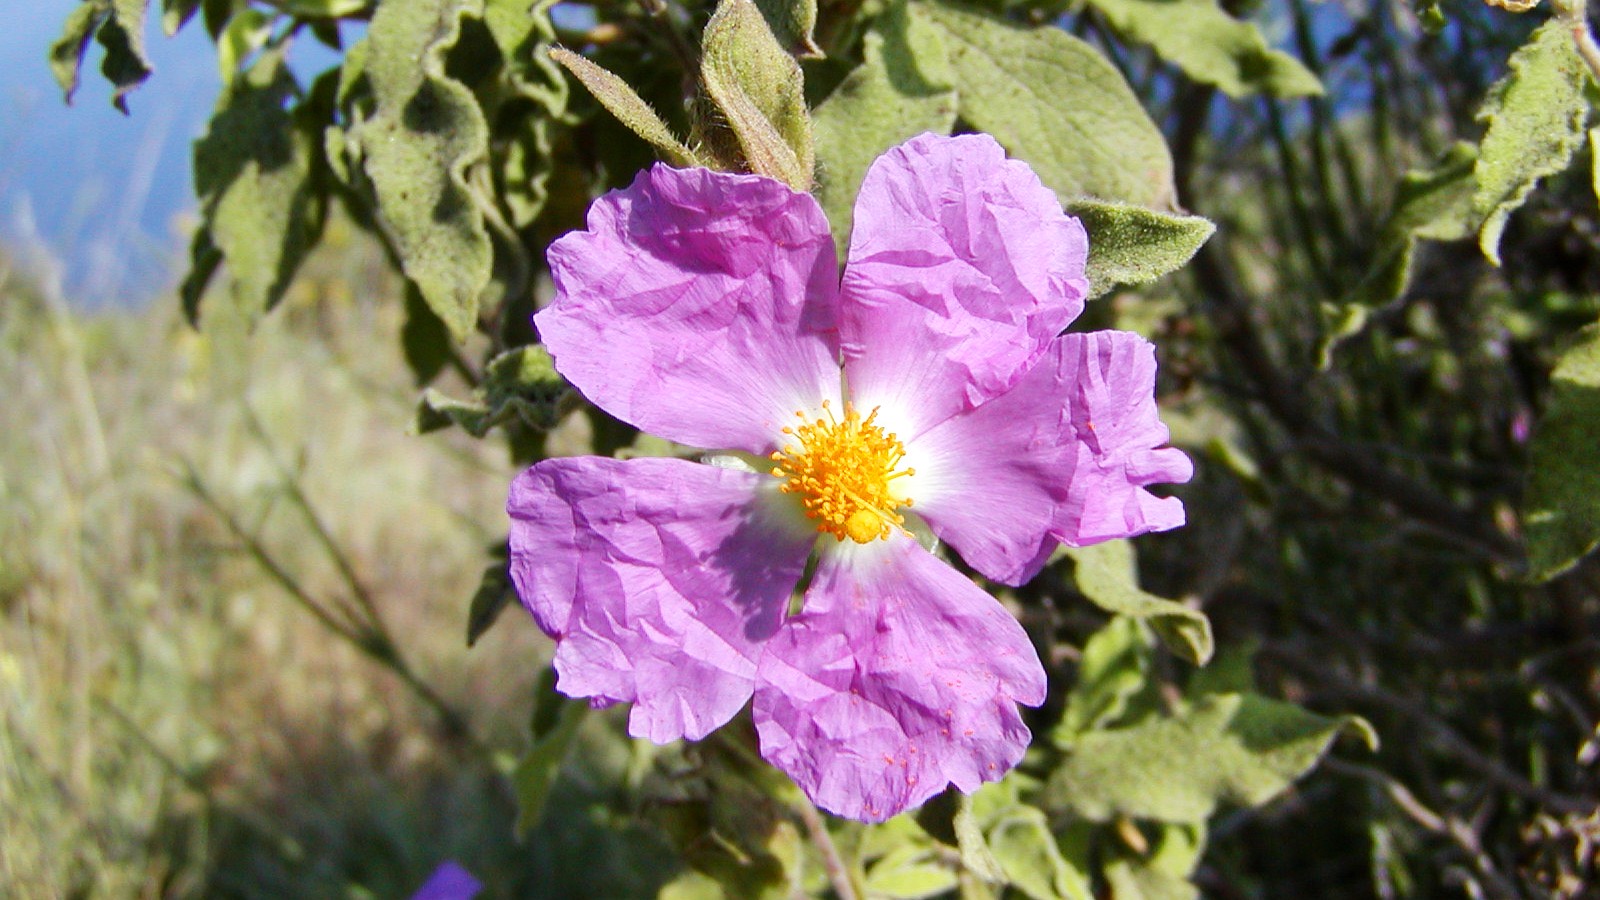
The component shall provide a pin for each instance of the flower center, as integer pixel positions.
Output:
(844, 473)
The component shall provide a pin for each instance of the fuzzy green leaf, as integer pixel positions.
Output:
(521, 384)
(1226, 748)
(1131, 245)
(901, 89)
(1106, 574)
(630, 109)
(910, 872)
(1211, 46)
(246, 33)
(1113, 681)
(1433, 204)
(1056, 102)
(758, 88)
(1561, 512)
(1535, 115)
(793, 23)
(1032, 860)
(525, 38)
(125, 64)
(1164, 873)
(262, 210)
(66, 54)
(425, 131)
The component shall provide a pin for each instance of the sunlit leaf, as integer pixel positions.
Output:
(1211, 46)
(1433, 204)
(262, 211)
(1225, 748)
(792, 22)
(520, 383)
(1113, 680)
(1130, 245)
(1164, 873)
(910, 872)
(1535, 116)
(630, 109)
(758, 88)
(1056, 102)
(425, 131)
(1107, 575)
(66, 54)
(1032, 860)
(901, 89)
(1561, 512)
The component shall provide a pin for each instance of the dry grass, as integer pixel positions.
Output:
(173, 724)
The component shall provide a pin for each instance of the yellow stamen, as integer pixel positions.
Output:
(842, 471)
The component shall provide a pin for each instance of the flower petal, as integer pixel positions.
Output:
(660, 580)
(698, 306)
(962, 269)
(1111, 406)
(991, 481)
(900, 677)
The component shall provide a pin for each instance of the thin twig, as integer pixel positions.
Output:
(1575, 14)
(839, 875)
(1446, 738)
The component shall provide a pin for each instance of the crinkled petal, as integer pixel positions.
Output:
(660, 580)
(699, 306)
(991, 482)
(1111, 407)
(962, 268)
(899, 677)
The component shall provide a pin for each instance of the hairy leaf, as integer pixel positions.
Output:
(792, 22)
(425, 132)
(526, 37)
(66, 54)
(1226, 748)
(630, 109)
(901, 89)
(1433, 204)
(262, 211)
(1032, 860)
(246, 33)
(910, 872)
(1131, 245)
(758, 88)
(520, 383)
(1113, 681)
(1056, 102)
(1561, 512)
(1535, 116)
(1211, 46)
(1106, 574)
(1164, 873)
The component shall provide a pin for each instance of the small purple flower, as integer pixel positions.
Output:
(930, 390)
(449, 882)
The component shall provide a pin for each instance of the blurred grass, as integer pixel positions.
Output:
(173, 725)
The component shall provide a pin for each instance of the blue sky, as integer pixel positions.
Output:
(101, 196)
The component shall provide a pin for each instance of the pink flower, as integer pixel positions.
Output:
(932, 386)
